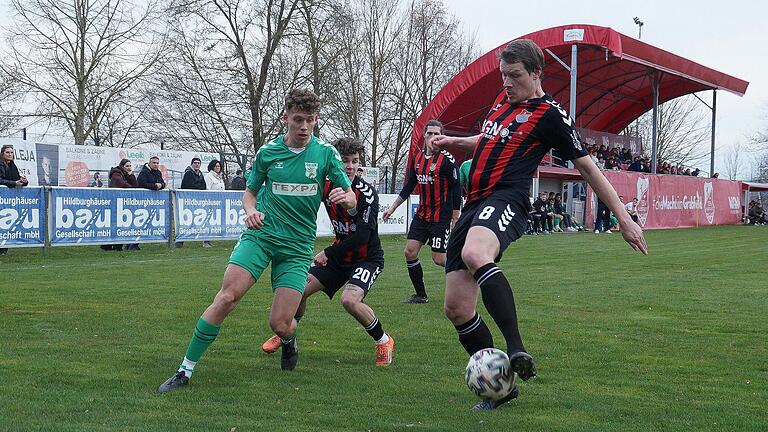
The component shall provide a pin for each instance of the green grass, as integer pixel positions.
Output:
(673, 341)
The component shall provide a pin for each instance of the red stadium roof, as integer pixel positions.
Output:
(614, 81)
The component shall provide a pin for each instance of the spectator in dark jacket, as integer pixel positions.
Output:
(122, 177)
(150, 176)
(9, 173)
(193, 177)
(238, 181)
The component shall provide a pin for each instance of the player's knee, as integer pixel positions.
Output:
(225, 300)
(349, 302)
(456, 312)
(475, 257)
(410, 254)
(281, 327)
(439, 259)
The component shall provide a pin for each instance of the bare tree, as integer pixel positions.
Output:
(683, 132)
(733, 161)
(222, 88)
(79, 56)
(10, 95)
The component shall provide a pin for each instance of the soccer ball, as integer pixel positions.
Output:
(489, 375)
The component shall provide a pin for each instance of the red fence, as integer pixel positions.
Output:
(667, 201)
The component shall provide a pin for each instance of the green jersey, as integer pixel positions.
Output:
(289, 186)
(464, 174)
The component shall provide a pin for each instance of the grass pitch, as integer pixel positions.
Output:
(673, 341)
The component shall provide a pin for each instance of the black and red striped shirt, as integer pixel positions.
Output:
(513, 140)
(356, 229)
(439, 190)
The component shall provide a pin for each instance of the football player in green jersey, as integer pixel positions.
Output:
(281, 201)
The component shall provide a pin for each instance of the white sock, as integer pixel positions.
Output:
(384, 339)
(187, 366)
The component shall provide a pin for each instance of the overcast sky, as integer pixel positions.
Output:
(731, 37)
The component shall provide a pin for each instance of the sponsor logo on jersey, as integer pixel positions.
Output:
(279, 164)
(424, 179)
(310, 169)
(294, 189)
(523, 116)
(491, 129)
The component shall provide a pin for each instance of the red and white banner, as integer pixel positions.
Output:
(667, 201)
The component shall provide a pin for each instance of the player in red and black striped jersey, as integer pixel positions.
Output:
(436, 173)
(522, 126)
(355, 259)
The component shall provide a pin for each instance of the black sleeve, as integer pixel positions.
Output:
(558, 132)
(365, 223)
(410, 184)
(454, 187)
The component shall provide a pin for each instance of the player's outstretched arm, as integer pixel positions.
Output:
(254, 219)
(395, 204)
(631, 232)
(346, 198)
(465, 144)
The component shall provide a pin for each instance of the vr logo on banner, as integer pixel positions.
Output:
(205, 215)
(22, 217)
(109, 215)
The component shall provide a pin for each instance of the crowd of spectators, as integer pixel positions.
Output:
(549, 215)
(756, 214)
(622, 159)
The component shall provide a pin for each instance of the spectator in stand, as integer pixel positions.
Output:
(601, 162)
(9, 174)
(636, 165)
(646, 166)
(715, 175)
(696, 172)
(556, 217)
(150, 176)
(687, 172)
(213, 181)
(558, 208)
(593, 155)
(193, 177)
(540, 215)
(756, 213)
(97, 183)
(122, 177)
(602, 218)
(238, 181)
(626, 156)
(632, 209)
(213, 178)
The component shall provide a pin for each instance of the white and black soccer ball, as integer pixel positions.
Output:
(489, 374)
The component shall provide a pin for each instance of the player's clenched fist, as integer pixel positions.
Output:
(254, 220)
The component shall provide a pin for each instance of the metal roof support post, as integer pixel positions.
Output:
(655, 136)
(712, 150)
(572, 111)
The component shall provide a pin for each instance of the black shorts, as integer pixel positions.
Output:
(433, 233)
(504, 212)
(334, 275)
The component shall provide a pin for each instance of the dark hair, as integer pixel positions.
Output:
(212, 164)
(434, 122)
(349, 146)
(155, 157)
(302, 100)
(7, 146)
(238, 172)
(123, 162)
(195, 159)
(524, 51)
